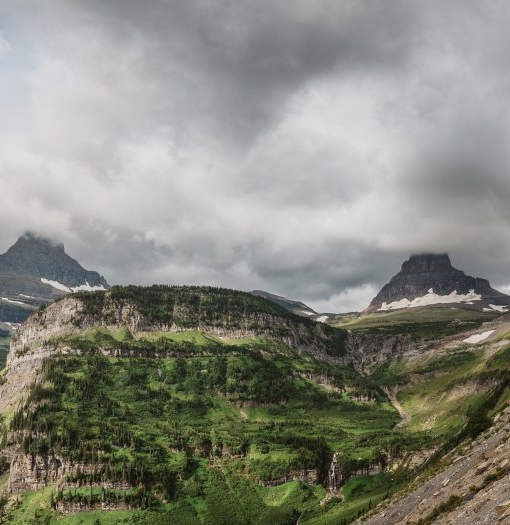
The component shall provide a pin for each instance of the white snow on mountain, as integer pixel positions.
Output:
(88, 288)
(498, 308)
(432, 298)
(478, 338)
(82, 288)
(11, 301)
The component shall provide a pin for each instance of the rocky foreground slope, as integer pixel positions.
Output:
(472, 487)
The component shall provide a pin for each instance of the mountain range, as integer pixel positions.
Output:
(208, 406)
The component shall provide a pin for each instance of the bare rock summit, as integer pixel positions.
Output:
(35, 271)
(430, 280)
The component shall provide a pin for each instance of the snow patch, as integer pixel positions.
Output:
(82, 288)
(11, 301)
(477, 338)
(432, 298)
(306, 313)
(26, 296)
(88, 288)
(498, 308)
(322, 318)
(56, 284)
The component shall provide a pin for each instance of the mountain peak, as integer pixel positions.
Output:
(429, 279)
(427, 262)
(31, 240)
(35, 270)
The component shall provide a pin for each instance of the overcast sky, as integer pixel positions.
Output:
(302, 147)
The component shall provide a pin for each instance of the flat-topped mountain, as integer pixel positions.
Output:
(431, 280)
(35, 271)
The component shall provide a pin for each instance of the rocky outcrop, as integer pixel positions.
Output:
(74, 314)
(367, 350)
(33, 472)
(430, 280)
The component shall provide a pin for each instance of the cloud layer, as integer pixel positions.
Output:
(304, 151)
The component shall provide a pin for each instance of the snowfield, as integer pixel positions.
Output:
(498, 308)
(478, 338)
(82, 288)
(432, 298)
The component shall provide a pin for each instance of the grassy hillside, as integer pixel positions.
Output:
(199, 429)
(439, 388)
(421, 323)
(193, 427)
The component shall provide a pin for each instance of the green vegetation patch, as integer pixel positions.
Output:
(420, 323)
(5, 340)
(200, 431)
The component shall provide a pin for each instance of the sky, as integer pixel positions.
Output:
(304, 148)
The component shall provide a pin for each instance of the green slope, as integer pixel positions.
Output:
(200, 430)
(190, 427)
(5, 339)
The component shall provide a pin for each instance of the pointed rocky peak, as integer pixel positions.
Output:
(430, 280)
(36, 270)
(30, 243)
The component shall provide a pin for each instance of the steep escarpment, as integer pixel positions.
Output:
(224, 313)
(173, 402)
(218, 312)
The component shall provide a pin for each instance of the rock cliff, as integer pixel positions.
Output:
(222, 313)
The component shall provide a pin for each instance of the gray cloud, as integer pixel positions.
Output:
(306, 150)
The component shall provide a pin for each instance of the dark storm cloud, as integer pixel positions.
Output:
(233, 66)
(304, 148)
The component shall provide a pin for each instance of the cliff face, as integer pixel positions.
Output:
(181, 309)
(167, 310)
(370, 350)
(430, 279)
